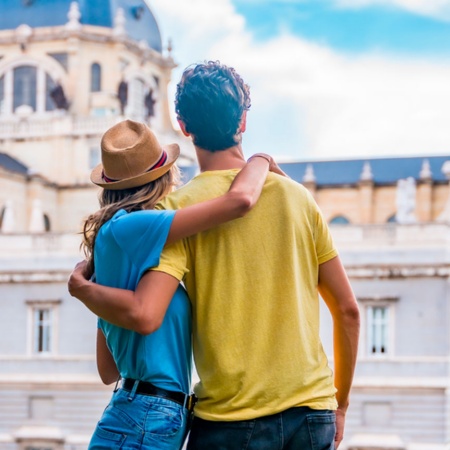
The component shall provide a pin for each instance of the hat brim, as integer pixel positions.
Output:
(173, 152)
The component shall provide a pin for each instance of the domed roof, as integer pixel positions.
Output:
(140, 23)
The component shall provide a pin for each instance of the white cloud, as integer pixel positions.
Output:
(309, 101)
(439, 9)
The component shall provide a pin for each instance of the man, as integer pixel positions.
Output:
(265, 382)
(264, 377)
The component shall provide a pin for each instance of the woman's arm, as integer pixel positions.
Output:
(238, 201)
(143, 310)
(106, 366)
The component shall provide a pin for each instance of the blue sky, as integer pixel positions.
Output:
(372, 28)
(329, 78)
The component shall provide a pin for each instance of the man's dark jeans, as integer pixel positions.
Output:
(294, 429)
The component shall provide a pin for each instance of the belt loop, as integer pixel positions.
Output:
(116, 387)
(133, 391)
(189, 402)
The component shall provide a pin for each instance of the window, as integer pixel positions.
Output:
(96, 78)
(49, 86)
(42, 329)
(378, 325)
(25, 87)
(94, 157)
(136, 96)
(377, 330)
(47, 223)
(2, 94)
(339, 220)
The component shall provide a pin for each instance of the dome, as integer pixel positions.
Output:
(140, 22)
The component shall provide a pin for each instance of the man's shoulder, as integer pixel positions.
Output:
(288, 184)
(178, 197)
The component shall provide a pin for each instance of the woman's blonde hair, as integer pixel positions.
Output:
(133, 199)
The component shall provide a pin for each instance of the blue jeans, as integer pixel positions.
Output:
(299, 428)
(133, 421)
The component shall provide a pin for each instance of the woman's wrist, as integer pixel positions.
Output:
(261, 155)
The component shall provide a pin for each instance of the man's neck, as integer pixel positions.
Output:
(230, 158)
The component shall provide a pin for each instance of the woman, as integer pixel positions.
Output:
(123, 240)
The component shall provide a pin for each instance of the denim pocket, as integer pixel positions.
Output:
(164, 418)
(322, 429)
(106, 439)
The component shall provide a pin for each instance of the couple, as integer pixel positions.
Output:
(253, 286)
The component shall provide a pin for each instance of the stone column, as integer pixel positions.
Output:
(424, 206)
(366, 194)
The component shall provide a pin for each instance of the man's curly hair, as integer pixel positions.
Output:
(210, 100)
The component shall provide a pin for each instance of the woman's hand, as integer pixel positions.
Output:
(273, 166)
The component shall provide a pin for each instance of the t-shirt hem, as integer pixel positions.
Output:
(238, 416)
(179, 275)
(328, 256)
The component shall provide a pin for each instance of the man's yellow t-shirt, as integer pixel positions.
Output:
(253, 287)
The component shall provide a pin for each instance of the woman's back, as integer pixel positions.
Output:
(125, 248)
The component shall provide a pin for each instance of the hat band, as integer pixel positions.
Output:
(161, 161)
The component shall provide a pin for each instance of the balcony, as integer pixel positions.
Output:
(54, 125)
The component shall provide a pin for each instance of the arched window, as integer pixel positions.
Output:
(47, 224)
(49, 86)
(136, 96)
(2, 93)
(25, 87)
(339, 220)
(2, 214)
(96, 78)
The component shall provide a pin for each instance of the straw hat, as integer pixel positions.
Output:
(132, 156)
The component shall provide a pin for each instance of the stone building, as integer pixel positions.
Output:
(390, 221)
(68, 71)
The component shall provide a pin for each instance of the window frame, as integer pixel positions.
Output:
(370, 304)
(46, 68)
(96, 77)
(34, 327)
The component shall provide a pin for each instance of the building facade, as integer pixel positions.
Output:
(70, 70)
(390, 221)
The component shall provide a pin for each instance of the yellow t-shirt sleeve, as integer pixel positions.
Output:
(325, 248)
(173, 260)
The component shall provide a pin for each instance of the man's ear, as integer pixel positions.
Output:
(183, 128)
(243, 124)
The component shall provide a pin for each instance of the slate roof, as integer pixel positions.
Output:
(12, 164)
(46, 13)
(385, 171)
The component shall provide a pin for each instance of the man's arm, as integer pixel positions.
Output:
(142, 310)
(335, 289)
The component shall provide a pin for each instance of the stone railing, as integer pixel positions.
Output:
(42, 244)
(54, 126)
(392, 235)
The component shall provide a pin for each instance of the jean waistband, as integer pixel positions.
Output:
(147, 388)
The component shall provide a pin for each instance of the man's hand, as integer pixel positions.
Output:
(340, 424)
(78, 278)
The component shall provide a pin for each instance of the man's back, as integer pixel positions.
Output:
(253, 287)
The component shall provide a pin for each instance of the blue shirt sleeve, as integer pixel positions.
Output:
(142, 235)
